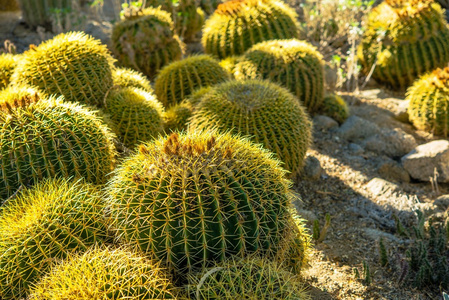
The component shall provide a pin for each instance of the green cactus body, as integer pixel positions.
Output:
(179, 79)
(8, 63)
(146, 42)
(237, 25)
(177, 117)
(429, 102)
(8, 5)
(250, 278)
(335, 107)
(124, 77)
(294, 64)
(189, 200)
(137, 115)
(50, 138)
(266, 112)
(44, 224)
(104, 273)
(404, 38)
(74, 65)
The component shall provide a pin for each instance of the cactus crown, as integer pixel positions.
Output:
(234, 8)
(15, 97)
(124, 77)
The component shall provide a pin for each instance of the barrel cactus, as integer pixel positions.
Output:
(237, 25)
(266, 112)
(44, 224)
(404, 39)
(8, 63)
(74, 65)
(294, 64)
(191, 199)
(124, 77)
(136, 115)
(250, 278)
(179, 79)
(42, 138)
(335, 107)
(145, 41)
(429, 102)
(104, 273)
(177, 117)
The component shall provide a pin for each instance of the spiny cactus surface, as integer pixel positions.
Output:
(404, 39)
(8, 62)
(177, 117)
(237, 25)
(73, 65)
(104, 273)
(124, 77)
(189, 200)
(294, 64)
(335, 107)
(266, 112)
(50, 138)
(179, 79)
(44, 224)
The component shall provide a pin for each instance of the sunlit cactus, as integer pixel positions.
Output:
(294, 64)
(73, 65)
(191, 199)
(44, 224)
(104, 273)
(264, 111)
(8, 62)
(335, 107)
(124, 77)
(404, 39)
(237, 25)
(42, 138)
(177, 117)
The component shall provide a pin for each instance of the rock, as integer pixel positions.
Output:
(324, 123)
(400, 112)
(391, 142)
(356, 149)
(373, 94)
(356, 128)
(380, 187)
(393, 171)
(422, 162)
(442, 202)
(312, 168)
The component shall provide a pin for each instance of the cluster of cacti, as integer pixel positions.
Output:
(335, 107)
(145, 41)
(74, 65)
(177, 116)
(136, 115)
(44, 224)
(8, 63)
(266, 112)
(189, 200)
(251, 278)
(180, 79)
(104, 273)
(404, 39)
(237, 25)
(124, 77)
(229, 63)
(294, 64)
(9, 5)
(429, 102)
(50, 138)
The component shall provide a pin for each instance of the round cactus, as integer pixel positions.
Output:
(177, 117)
(229, 63)
(404, 39)
(136, 115)
(429, 102)
(335, 107)
(294, 64)
(8, 63)
(237, 25)
(266, 112)
(250, 278)
(104, 273)
(123, 77)
(44, 224)
(74, 65)
(146, 42)
(189, 200)
(50, 138)
(179, 79)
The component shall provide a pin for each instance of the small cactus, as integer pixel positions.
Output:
(237, 25)
(266, 112)
(44, 224)
(179, 79)
(8, 63)
(124, 77)
(335, 107)
(177, 117)
(146, 41)
(104, 273)
(74, 65)
(295, 64)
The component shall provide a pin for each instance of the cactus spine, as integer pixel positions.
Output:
(124, 77)
(237, 25)
(8, 63)
(294, 64)
(246, 107)
(45, 224)
(404, 38)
